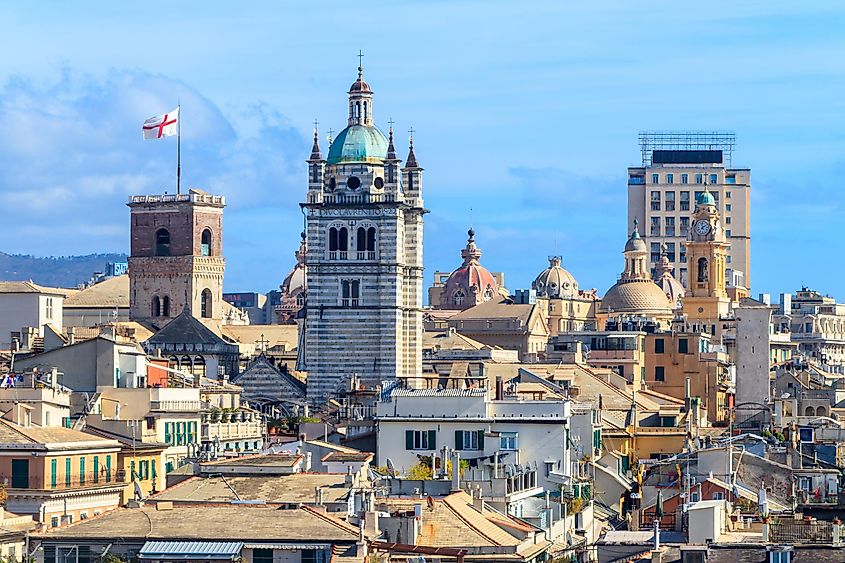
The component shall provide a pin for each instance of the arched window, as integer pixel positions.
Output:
(206, 304)
(162, 242)
(365, 111)
(343, 239)
(458, 298)
(702, 270)
(488, 293)
(809, 411)
(821, 411)
(156, 307)
(173, 362)
(165, 306)
(361, 239)
(300, 299)
(371, 239)
(332, 239)
(206, 242)
(199, 366)
(185, 364)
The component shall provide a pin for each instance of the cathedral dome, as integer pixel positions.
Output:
(358, 143)
(643, 297)
(705, 198)
(555, 282)
(635, 243)
(471, 283)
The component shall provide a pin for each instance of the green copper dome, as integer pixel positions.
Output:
(705, 198)
(358, 143)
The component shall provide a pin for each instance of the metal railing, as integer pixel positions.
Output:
(792, 532)
(181, 406)
(100, 478)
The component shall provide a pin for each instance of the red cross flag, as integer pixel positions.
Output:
(160, 126)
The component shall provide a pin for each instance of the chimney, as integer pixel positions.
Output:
(456, 472)
(500, 388)
(307, 461)
(477, 501)
(496, 465)
(349, 478)
(318, 496)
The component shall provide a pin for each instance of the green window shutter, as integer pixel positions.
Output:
(459, 439)
(155, 473)
(167, 432)
(432, 440)
(54, 469)
(82, 470)
(67, 472)
(108, 468)
(409, 439)
(481, 440)
(96, 469)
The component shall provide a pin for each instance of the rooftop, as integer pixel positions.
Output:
(209, 522)
(113, 292)
(271, 489)
(52, 437)
(29, 287)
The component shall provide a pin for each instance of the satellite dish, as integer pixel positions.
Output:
(391, 469)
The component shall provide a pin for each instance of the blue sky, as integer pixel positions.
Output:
(526, 115)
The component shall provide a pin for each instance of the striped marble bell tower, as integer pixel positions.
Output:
(364, 257)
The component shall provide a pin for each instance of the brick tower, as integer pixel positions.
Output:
(176, 256)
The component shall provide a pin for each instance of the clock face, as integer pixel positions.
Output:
(702, 227)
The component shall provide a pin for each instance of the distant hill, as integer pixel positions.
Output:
(61, 271)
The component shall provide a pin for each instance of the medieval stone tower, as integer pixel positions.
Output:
(176, 256)
(364, 257)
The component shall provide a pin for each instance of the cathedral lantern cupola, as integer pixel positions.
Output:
(316, 164)
(360, 102)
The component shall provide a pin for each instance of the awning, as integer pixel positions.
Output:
(189, 550)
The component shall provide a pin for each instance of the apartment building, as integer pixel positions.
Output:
(662, 193)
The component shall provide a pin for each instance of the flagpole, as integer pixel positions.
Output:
(179, 149)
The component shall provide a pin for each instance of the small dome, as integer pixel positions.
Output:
(642, 297)
(555, 282)
(664, 279)
(705, 198)
(471, 283)
(360, 85)
(358, 143)
(635, 243)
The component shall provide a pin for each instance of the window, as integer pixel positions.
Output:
(659, 346)
(728, 207)
(727, 220)
(702, 270)
(685, 178)
(313, 556)
(108, 468)
(670, 201)
(655, 178)
(699, 178)
(366, 243)
(49, 312)
(96, 474)
(162, 242)
(156, 307)
(655, 227)
(659, 373)
(727, 195)
(670, 225)
(67, 472)
(684, 201)
(670, 178)
(655, 252)
(670, 251)
(694, 496)
(683, 345)
(719, 496)
(684, 227)
(338, 243)
(168, 433)
(655, 201)
(206, 242)
(205, 305)
(262, 555)
(349, 292)
(597, 439)
(82, 471)
(728, 232)
(165, 306)
(458, 298)
(714, 179)
(54, 470)
(54, 522)
(683, 254)
(469, 440)
(508, 441)
(420, 439)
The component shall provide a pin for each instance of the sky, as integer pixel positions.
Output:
(526, 117)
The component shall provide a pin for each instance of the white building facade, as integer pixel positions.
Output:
(510, 433)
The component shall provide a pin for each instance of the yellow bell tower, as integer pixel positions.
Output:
(706, 300)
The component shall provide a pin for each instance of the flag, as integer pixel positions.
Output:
(160, 126)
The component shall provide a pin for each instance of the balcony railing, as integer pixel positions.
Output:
(792, 532)
(101, 478)
(177, 406)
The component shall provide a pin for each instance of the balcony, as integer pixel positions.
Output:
(237, 430)
(793, 532)
(61, 483)
(176, 406)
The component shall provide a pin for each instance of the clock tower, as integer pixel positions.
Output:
(706, 300)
